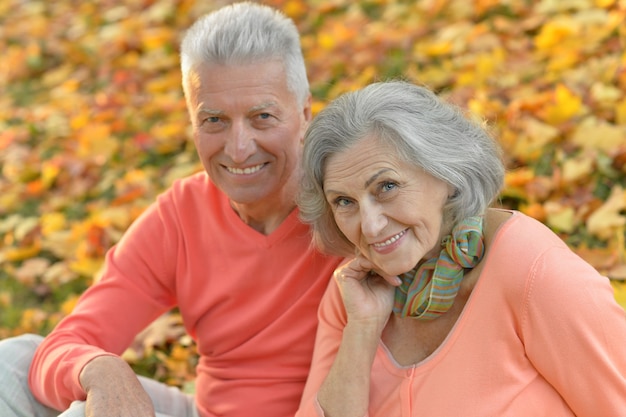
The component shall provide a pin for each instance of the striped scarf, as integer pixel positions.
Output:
(430, 291)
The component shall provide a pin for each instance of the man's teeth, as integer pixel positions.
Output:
(390, 240)
(245, 171)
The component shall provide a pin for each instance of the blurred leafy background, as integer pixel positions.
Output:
(93, 125)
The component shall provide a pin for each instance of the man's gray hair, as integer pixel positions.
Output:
(245, 33)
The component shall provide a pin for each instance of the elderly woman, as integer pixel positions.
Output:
(446, 307)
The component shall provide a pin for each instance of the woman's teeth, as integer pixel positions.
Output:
(390, 240)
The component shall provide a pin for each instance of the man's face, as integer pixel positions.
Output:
(248, 129)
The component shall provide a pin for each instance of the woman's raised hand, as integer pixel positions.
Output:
(367, 296)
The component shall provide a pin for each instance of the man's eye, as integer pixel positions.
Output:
(264, 116)
(212, 119)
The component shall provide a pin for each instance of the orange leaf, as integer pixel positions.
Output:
(95, 141)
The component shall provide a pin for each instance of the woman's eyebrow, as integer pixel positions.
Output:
(373, 178)
(376, 175)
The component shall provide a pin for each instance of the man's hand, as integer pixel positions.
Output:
(113, 389)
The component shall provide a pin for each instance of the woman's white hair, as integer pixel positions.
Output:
(423, 129)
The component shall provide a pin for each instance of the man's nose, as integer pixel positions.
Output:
(241, 143)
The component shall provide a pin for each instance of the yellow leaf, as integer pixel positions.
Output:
(317, 106)
(80, 120)
(620, 112)
(619, 290)
(578, 168)
(565, 106)
(61, 243)
(69, 304)
(536, 136)
(49, 172)
(87, 267)
(157, 37)
(295, 8)
(593, 133)
(518, 177)
(534, 210)
(52, 222)
(618, 272)
(169, 135)
(25, 226)
(554, 33)
(604, 93)
(57, 76)
(326, 41)
(58, 273)
(32, 320)
(165, 83)
(116, 216)
(604, 220)
(10, 199)
(563, 59)
(435, 49)
(5, 299)
(560, 218)
(180, 353)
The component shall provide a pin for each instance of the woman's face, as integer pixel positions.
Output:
(392, 211)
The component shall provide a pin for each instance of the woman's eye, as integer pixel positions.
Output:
(388, 186)
(341, 202)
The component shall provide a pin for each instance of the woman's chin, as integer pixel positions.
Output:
(394, 270)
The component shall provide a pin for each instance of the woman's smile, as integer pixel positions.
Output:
(388, 245)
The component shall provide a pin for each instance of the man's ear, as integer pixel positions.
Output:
(307, 114)
(306, 108)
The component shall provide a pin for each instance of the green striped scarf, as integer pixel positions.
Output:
(430, 291)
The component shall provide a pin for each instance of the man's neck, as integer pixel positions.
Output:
(263, 219)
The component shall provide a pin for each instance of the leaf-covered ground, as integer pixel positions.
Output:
(93, 124)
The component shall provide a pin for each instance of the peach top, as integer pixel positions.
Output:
(541, 335)
(248, 300)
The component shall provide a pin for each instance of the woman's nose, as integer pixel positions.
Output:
(373, 220)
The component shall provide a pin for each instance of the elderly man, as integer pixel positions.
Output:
(225, 246)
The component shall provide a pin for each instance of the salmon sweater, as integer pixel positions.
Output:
(247, 299)
(541, 335)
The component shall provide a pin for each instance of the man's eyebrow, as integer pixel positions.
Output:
(262, 106)
(212, 112)
(215, 112)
